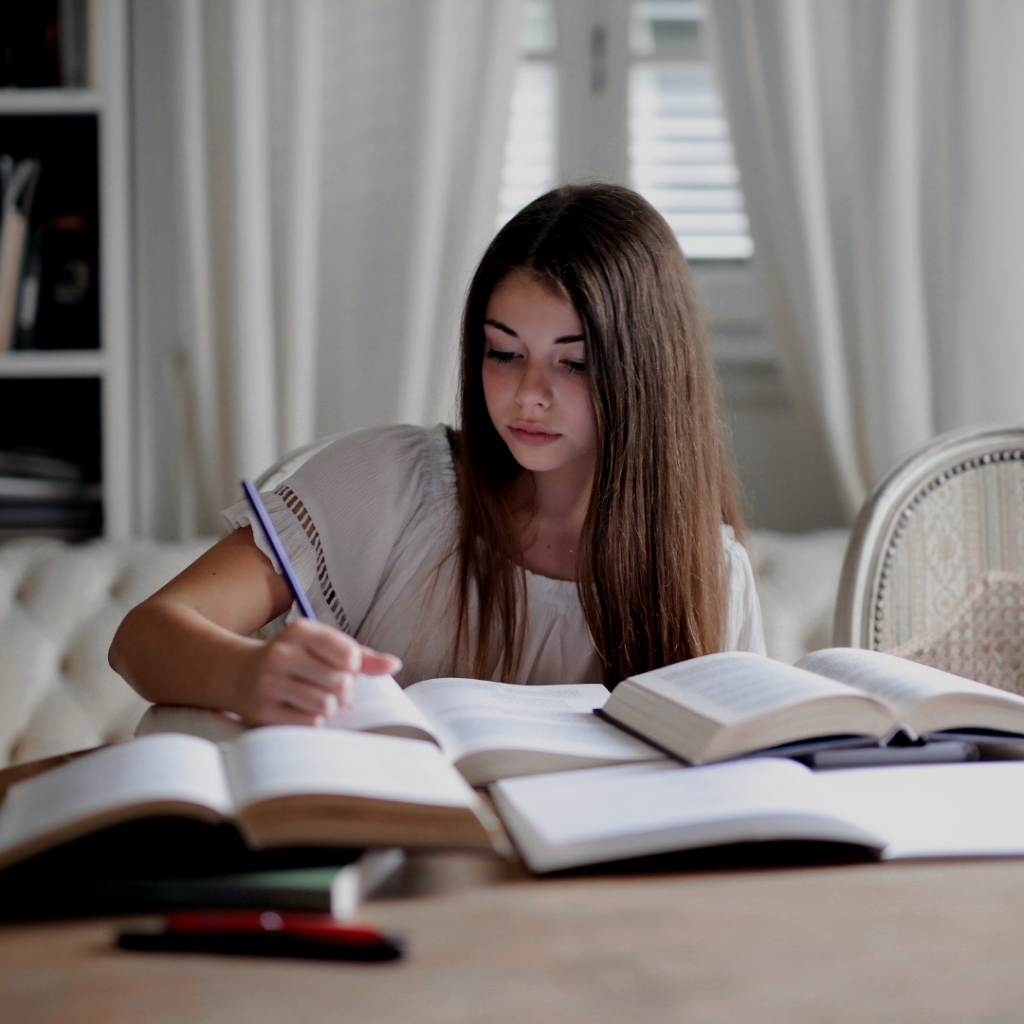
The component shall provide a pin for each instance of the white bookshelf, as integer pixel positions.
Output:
(51, 101)
(88, 363)
(106, 99)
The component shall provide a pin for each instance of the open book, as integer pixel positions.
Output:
(724, 705)
(487, 730)
(575, 819)
(279, 787)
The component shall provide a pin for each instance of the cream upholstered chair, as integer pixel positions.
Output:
(934, 570)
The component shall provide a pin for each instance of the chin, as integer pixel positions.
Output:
(539, 460)
(530, 460)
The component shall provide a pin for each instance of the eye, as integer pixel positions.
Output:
(575, 366)
(500, 355)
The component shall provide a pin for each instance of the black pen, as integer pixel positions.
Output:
(256, 502)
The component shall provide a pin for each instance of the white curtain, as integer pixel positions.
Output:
(882, 158)
(314, 180)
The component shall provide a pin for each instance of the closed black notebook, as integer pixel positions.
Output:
(160, 865)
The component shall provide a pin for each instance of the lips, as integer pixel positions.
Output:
(532, 435)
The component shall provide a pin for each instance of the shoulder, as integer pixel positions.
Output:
(730, 542)
(737, 561)
(745, 629)
(402, 443)
(406, 458)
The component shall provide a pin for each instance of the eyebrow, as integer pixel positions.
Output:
(566, 339)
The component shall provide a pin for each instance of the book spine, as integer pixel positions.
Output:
(12, 243)
(29, 43)
(72, 29)
(67, 312)
(28, 293)
(18, 193)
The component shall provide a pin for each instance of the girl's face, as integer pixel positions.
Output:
(535, 378)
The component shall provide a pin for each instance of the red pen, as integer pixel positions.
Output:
(266, 933)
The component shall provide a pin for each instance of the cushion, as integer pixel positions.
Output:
(60, 605)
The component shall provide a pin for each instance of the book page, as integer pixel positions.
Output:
(624, 811)
(168, 768)
(288, 760)
(471, 715)
(936, 810)
(734, 686)
(380, 703)
(901, 683)
(219, 726)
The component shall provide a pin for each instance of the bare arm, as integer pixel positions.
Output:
(189, 643)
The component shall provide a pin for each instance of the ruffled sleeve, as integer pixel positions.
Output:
(342, 514)
(745, 628)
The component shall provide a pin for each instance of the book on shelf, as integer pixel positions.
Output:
(40, 491)
(14, 488)
(36, 504)
(275, 788)
(58, 301)
(616, 814)
(73, 41)
(70, 534)
(29, 288)
(339, 888)
(38, 463)
(731, 704)
(488, 730)
(43, 43)
(18, 180)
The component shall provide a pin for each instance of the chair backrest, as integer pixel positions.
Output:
(934, 570)
(290, 461)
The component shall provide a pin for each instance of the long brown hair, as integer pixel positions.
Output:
(651, 576)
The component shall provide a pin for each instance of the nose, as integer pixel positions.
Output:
(534, 386)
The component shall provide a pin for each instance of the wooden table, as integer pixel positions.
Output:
(903, 942)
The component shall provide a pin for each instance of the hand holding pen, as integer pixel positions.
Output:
(307, 671)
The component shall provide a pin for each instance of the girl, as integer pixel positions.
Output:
(579, 525)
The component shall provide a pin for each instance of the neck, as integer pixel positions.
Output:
(559, 503)
(550, 521)
(556, 500)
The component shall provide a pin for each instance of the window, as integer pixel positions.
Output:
(634, 90)
(680, 155)
(530, 156)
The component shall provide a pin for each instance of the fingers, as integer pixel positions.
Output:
(289, 702)
(341, 651)
(306, 699)
(376, 664)
(289, 660)
(337, 650)
(306, 672)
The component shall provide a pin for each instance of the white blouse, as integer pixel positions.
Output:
(365, 522)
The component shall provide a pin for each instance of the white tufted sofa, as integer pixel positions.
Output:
(61, 603)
